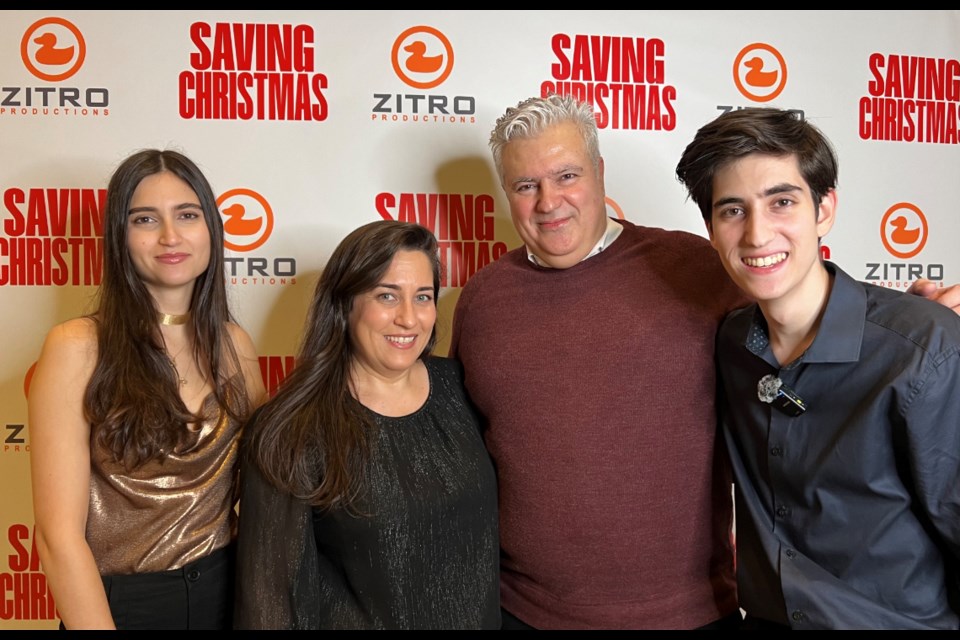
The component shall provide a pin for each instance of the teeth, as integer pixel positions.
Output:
(765, 261)
(405, 340)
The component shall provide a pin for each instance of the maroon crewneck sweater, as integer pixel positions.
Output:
(598, 385)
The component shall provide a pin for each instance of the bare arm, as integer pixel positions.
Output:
(60, 471)
(250, 365)
(947, 296)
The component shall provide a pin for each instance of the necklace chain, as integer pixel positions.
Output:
(183, 381)
(168, 319)
(173, 363)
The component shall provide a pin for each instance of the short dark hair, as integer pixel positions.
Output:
(532, 116)
(764, 130)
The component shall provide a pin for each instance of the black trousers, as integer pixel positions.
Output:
(196, 596)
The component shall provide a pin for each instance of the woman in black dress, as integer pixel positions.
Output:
(368, 499)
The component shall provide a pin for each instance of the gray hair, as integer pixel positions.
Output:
(531, 116)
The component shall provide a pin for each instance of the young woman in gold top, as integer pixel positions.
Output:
(135, 413)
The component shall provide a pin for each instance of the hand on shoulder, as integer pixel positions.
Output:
(947, 296)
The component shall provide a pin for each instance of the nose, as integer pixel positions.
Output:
(548, 197)
(169, 234)
(406, 315)
(758, 231)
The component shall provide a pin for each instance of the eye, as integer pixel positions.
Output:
(425, 297)
(191, 215)
(730, 212)
(386, 296)
(140, 219)
(526, 186)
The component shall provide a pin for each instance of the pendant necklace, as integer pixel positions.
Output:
(168, 319)
(173, 363)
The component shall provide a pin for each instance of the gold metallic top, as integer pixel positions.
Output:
(166, 514)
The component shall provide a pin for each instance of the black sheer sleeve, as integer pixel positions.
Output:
(277, 580)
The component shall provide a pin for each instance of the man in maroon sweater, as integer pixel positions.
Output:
(589, 351)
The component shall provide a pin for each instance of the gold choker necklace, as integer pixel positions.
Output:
(169, 318)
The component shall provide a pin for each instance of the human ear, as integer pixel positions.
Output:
(826, 213)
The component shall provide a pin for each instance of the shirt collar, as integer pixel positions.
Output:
(840, 334)
(611, 234)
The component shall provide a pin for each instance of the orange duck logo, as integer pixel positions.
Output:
(760, 72)
(236, 224)
(756, 76)
(422, 57)
(53, 49)
(900, 234)
(904, 230)
(418, 61)
(49, 53)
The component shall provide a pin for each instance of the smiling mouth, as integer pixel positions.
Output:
(766, 261)
(553, 223)
(173, 257)
(401, 340)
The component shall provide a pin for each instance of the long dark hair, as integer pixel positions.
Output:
(132, 400)
(312, 438)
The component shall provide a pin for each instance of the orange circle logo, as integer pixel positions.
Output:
(616, 207)
(903, 230)
(247, 219)
(27, 379)
(422, 57)
(53, 49)
(760, 72)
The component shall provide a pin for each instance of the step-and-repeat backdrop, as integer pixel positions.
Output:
(310, 123)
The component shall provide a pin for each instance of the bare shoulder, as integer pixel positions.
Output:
(242, 341)
(72, 342)
(67, 360)
(249, 362)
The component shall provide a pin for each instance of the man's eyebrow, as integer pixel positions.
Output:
(568, 168)
(783, 187)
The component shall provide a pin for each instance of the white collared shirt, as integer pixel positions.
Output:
(613, 231)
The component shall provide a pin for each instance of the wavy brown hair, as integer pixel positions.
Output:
(312, 439)
(132, 400)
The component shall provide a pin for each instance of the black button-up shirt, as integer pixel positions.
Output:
(848, 516)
